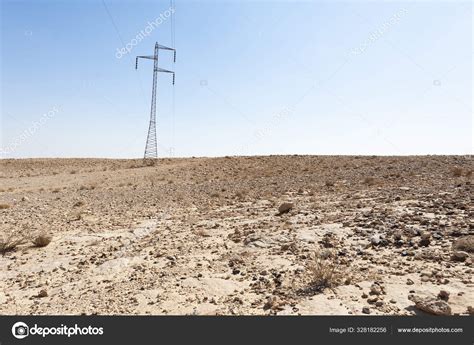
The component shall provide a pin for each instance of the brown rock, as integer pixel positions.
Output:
(42, 293)
(459, 256)
(465, 244)
(444, 295)
(285, 207)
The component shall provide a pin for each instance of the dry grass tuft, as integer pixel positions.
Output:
(9, 241)
(457, 171)
(202, 233)
(42, 240)
(325, 272)
(329, 183)
(79, 203)
(370, 181)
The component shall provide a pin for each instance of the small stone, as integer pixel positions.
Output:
(372, 300)
(425, 279)
(364, 295)
(273, 303)
(285, 207)
(375, 289)
(393, 301)
(366, 310)
(42, 293)
(444, 295)
(378, 240)
(378, 303)
(410, 282)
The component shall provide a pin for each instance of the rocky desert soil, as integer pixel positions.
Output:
(237, 236)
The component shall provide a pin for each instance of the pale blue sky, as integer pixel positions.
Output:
(252, 77)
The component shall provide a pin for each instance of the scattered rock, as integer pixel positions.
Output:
(273, 303)
(376, 289)
(366, 310)
(410, 282)
(42, 293)
(465, 244)
(378, 240)
(431, 305)
(444, 295)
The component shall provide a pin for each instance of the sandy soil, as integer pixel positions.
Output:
(204, 236)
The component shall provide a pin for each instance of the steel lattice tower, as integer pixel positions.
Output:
(151, 149)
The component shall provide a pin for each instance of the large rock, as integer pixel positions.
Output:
(465, 244)
(431, 305)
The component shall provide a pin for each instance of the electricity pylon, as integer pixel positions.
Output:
(151, 150)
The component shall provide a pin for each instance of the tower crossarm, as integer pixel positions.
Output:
(168, 48)
(166, 71)
(150, 57)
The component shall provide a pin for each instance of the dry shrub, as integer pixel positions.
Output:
(457, 171)
(370, 181)
(325, 272)
(202, 233)
(4, 206)
(10, 240)
(42, 240)
(79, 203)
(149, 162)
(329, 183)
(240, 194)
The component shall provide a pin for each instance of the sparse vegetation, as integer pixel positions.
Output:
(79, 203)
(10, 240)
(329, 183)
(457, 171)
(202, 233)
(370, 181)
(42, 240)
(4, 206)
(325, 272)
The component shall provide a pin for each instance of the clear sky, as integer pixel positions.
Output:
(252, 77)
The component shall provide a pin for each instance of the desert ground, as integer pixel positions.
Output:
(270, 235)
